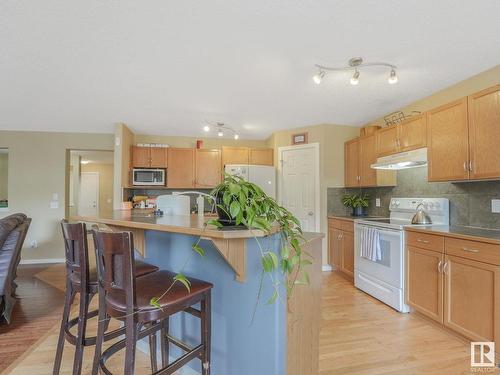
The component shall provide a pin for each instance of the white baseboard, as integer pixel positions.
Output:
(326, 268)
(143, 346)
(43, 261)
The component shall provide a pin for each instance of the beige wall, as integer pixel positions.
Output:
(331, 140)
(469, 86)
(105, 185)
(4, 175)
(37, 169)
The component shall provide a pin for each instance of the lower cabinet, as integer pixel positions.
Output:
(424, 288)
(472, 298)
(341, 245)
(461, 292)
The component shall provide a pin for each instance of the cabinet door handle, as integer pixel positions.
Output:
(471, 164)
(439, 266)
(470, 250)
(465, 166)
(445, 267)
(422, 241)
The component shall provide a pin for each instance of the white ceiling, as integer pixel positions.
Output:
(164, 66)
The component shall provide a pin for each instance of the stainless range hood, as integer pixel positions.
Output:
(403, 160)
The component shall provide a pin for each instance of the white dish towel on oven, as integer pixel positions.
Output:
(370, 244)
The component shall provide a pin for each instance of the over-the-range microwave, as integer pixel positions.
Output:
(148, 177)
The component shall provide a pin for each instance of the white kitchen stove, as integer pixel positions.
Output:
(384, 278)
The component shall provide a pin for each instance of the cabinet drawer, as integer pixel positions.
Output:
(334, 223)
(479, 251)
(347, 225)
(425, 241)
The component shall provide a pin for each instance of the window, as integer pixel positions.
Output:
(4, 168)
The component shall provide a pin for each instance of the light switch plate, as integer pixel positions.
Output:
(54, 204)
(495, 206)
(377, 202)
(55, 196)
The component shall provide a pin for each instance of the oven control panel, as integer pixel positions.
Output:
(435, 205)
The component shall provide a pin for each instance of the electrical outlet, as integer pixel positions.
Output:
(495, 206)
(54, 204)
(377, 202)
(34, 244)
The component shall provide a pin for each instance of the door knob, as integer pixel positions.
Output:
(310, 213)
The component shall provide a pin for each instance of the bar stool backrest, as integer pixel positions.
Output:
(76, 251)
(115, 260)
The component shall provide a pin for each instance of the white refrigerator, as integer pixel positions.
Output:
(261, 175)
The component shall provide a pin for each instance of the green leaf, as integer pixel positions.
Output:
(305, 262)
(155, 302)
(184, 280)
(214, 222)
(198, 249)
(285, 252)
(226, 198)
(274, 259)
(273, 298)
(234, 189)
(234, 209)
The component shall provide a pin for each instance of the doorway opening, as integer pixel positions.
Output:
(89, 183)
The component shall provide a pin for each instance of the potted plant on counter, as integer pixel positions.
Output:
(242, 203)
(358, 202)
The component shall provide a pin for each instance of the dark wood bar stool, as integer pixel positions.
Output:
(81, 277)
(127, 299)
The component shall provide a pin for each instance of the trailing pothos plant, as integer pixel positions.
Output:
(240, 202)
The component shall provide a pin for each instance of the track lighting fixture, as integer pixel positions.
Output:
(221, 129)
(355, 77)
(393, 78)
(355, 64)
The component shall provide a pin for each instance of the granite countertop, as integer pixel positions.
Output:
(352, 218)
(464, 232)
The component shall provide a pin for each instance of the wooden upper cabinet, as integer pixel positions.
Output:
(412, 133)
(424, 282)
(235, 155)
(208, 168)
(387, 141)
(472, 299)
(158, 157)
(261, 156)
(149, 157)
(368, 156)
(140, 157)
(447, 142)
(351, 166)
(181, 170)
(484, 133)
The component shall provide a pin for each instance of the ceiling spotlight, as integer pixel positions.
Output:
(220, 133)
(355, 78)
(317, 78)
(206, 128)
(85, 162)
(393, 78)
(236, 136)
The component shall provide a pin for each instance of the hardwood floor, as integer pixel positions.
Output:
(359, 335)
(38, 309)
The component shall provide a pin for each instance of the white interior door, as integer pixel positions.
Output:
(88, 202)
(299, 184)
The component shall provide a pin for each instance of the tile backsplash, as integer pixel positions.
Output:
(470, 202)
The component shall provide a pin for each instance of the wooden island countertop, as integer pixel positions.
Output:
(183, 224)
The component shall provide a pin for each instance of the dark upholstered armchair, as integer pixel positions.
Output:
(13, 231)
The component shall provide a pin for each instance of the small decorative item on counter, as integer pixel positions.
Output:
(126, 206)
(158, 213)
(358, 202)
